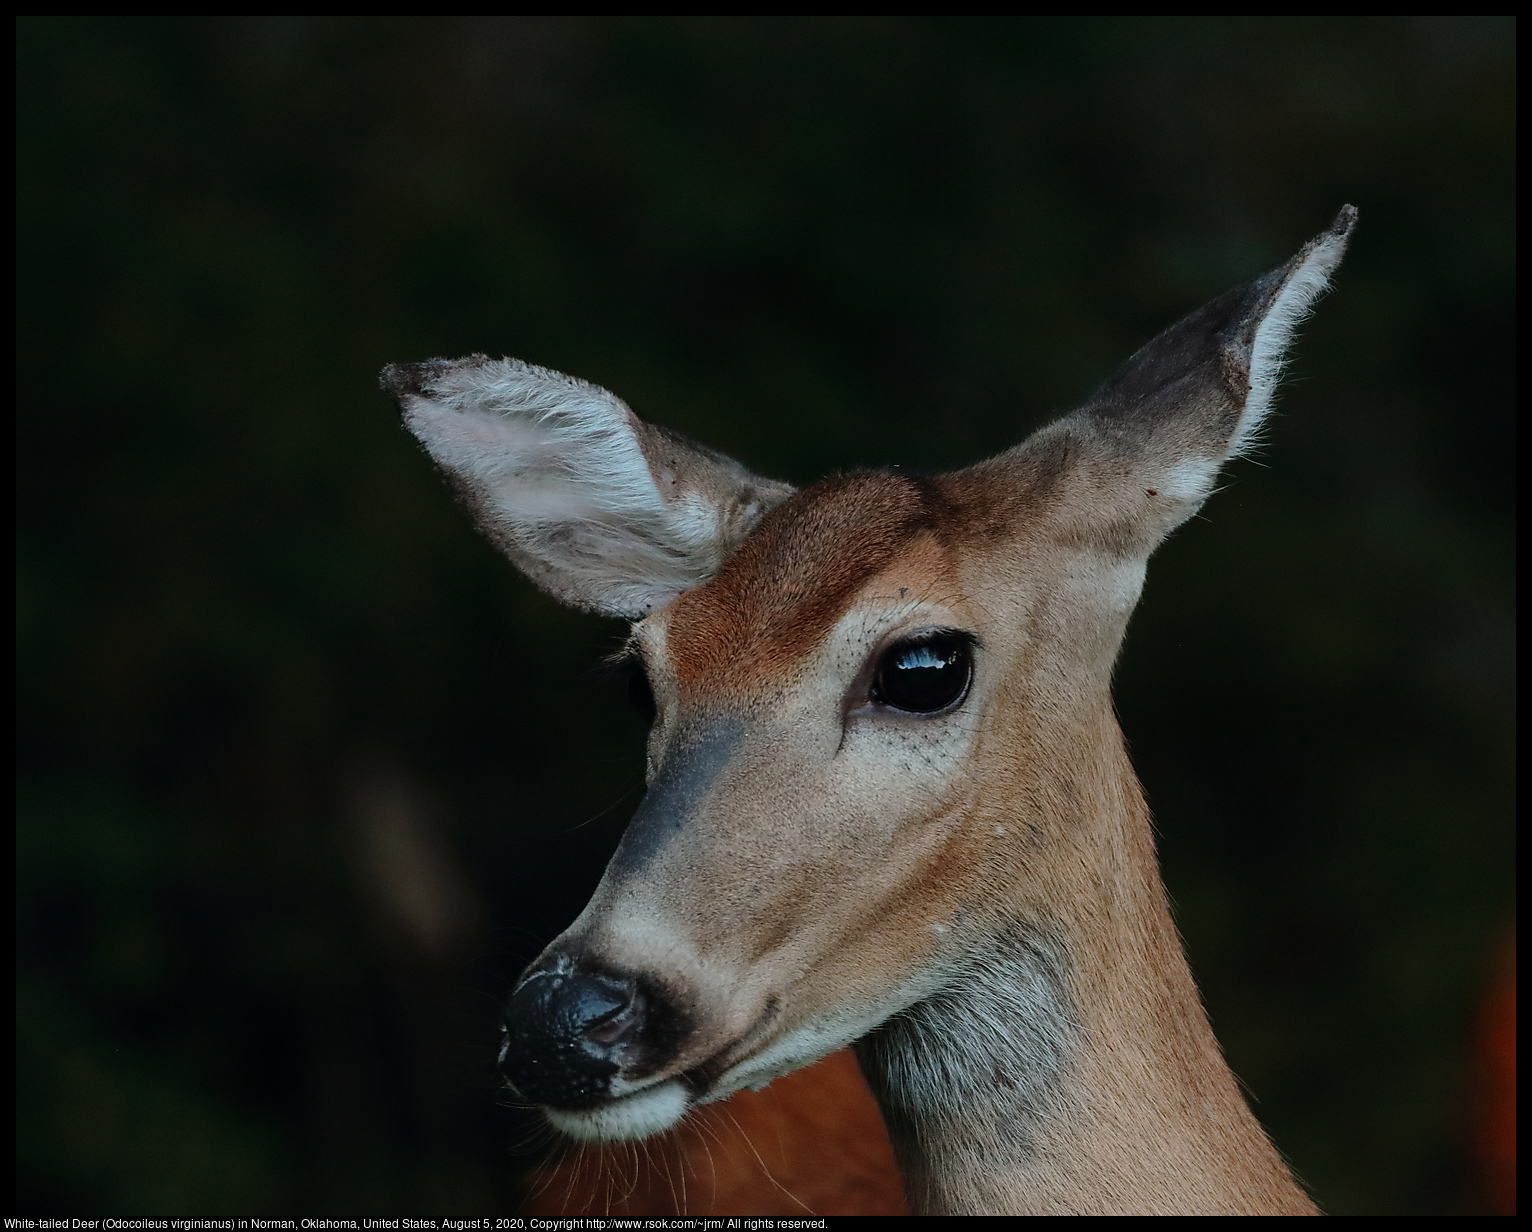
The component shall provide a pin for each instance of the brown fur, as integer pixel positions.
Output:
(970, 895)
(1161, 1125)
(774, 599)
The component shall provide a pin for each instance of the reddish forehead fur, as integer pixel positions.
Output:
(776, 597)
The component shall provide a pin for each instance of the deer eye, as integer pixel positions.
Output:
(925, 674)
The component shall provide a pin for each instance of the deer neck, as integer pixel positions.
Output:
(1068, 1066)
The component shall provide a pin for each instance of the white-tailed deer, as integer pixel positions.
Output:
(888, 802)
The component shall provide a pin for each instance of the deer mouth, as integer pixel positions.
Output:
(659, 1106)
(706, 1078)
(642, 1114)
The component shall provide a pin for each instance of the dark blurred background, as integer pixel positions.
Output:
(306, 772)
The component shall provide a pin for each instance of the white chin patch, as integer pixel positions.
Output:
(634, 1116)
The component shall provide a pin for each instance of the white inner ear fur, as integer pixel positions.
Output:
(1274, 334)
(562, 479)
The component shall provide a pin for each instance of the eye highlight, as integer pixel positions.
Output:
(925, 674)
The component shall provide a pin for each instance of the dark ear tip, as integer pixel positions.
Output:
(411, 379)
(1344, 222)
(402, 379)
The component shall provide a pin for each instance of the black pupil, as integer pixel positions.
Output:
(925, 676)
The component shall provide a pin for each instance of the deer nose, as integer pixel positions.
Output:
(565, 1031)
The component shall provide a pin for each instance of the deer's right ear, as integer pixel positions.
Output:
(597, 507)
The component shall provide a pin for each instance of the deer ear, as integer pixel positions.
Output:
(1141, 456)
(597, 507)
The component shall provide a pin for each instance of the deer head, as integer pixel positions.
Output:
(884, 775)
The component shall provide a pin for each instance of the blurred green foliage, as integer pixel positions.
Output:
(279, 704)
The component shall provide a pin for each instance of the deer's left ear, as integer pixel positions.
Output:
(1141, 456)
(600, 509)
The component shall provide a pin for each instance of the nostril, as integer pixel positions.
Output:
(602, 1011)
(614, 1027)
(566, 1031)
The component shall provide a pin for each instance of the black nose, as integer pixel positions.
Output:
(565, 1032)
